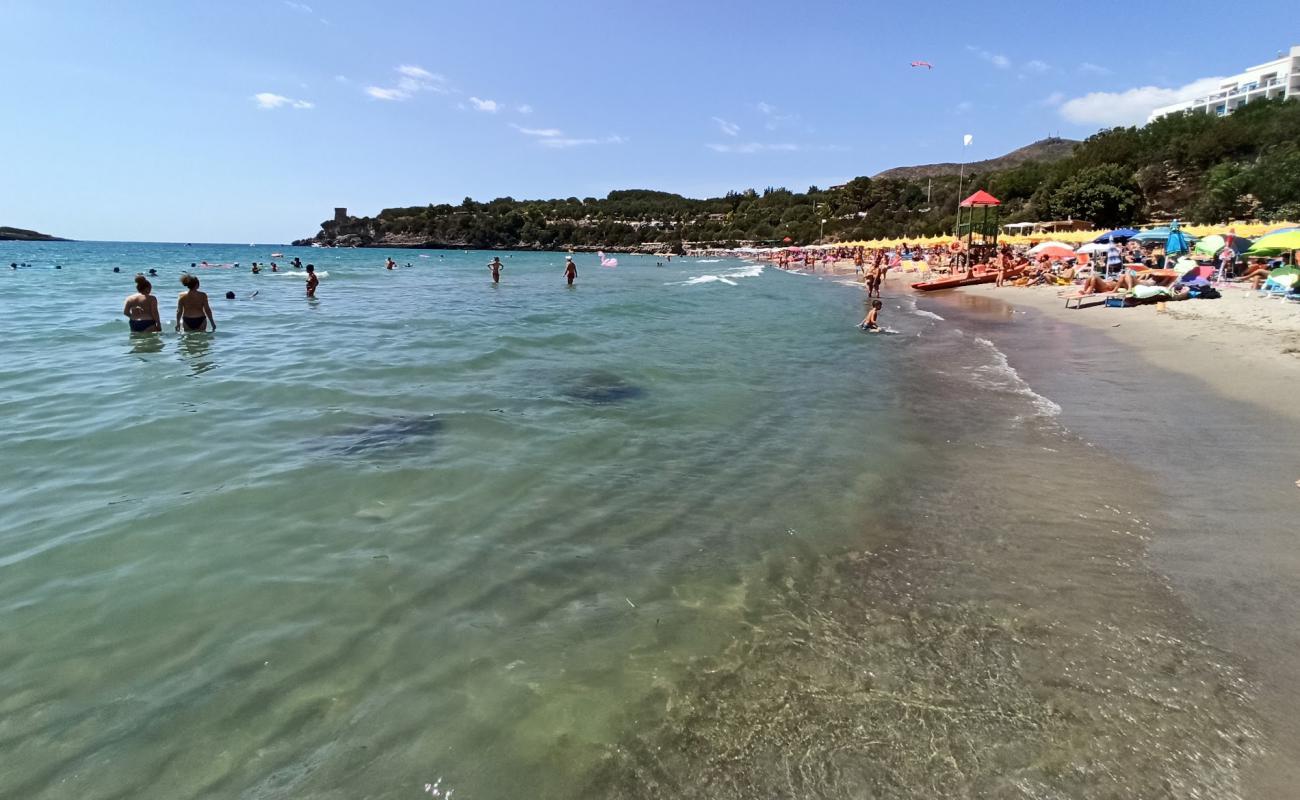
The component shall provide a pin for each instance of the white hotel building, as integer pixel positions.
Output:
(1277, 78)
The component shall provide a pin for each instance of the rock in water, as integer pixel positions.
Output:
(603, 388)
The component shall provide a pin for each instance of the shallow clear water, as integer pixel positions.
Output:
(541, 541)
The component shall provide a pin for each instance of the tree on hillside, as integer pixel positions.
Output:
(1105, 195)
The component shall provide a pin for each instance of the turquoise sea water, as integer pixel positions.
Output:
(678, 528)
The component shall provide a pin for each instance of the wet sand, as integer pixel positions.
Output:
(1202, 399)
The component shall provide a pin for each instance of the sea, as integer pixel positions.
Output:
(679, 530)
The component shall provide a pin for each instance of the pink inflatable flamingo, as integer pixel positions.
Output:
(606, 262)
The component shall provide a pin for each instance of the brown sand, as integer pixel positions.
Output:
(1243, 346)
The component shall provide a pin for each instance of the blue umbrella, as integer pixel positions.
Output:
(1152, 235)
(1178, 242)
(1119, 235)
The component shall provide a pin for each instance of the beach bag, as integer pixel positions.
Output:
(1205, 293)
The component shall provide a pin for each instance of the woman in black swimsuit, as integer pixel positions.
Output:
(141, 309)
(192, 308)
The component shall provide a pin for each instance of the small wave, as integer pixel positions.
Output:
(1002, 376)
(704, 279)
(920, 312)
(707, 260)
(747, 271)
(302, 276)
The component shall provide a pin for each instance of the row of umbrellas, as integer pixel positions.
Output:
(1282, 240)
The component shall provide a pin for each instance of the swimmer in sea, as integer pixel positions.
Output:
(872, 323)
(256, 269)
(312, 280)
(141, 309)
(192, 307)
(390, 263)
(495, 266)
(297, 264)
(570, 269)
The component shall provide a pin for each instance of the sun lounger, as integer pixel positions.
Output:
(1079, 299)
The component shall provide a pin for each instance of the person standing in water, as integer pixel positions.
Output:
(390, 263)
(495, 266)
(570, 269)
(312, 280)
(141, 309)
(192, 308)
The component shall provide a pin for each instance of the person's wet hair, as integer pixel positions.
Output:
(230, 295)
(189, 281)
(142, 284)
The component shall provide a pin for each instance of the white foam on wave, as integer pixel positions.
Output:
(696, 281)
(747, 271)
(921, 312)
(1000, 375)
(707, 260)
(300, 275)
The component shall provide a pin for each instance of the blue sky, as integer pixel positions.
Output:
(249, 120)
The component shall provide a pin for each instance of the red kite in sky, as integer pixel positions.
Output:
(925, 64)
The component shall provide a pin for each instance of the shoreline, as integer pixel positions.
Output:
(1240, 346)
(1200, 397)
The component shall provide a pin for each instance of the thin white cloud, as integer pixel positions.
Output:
(543, 132)
(754, 147)
(561, 142)
(1054, 99)
(487, 106)
(380, 93)
(411, 80)
(775, 120)
(342, 79)
(303, 7)
(1133, 106)
(750, 148)
(964, 106)
(1089, 68)
(524, 108)
(996, 59)
(270, 100)
(1037, 66)
(729, 128)
(555, 139)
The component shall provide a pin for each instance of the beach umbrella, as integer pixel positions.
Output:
(1152, 235)
(1054, 251)
(1093, 247)
(1038, 248)
(1178, 242)
(1119, 235)
(1275, 244)
(1212, 244)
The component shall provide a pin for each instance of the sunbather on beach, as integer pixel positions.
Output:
(1098, 285)
(1255, 275)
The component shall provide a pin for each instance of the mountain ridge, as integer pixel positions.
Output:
(1052, 148)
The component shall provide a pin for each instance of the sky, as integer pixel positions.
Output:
(250, 120)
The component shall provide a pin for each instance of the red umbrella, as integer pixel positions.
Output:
(787, 240)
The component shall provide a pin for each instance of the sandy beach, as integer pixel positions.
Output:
(1243, 345)
(1200, 396)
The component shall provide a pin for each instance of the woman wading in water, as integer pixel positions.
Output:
(192, 308)
(141, 308)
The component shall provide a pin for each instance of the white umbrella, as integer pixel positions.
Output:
(1093, 247)
(1041, 246)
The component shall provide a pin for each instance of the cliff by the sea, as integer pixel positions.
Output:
(23, 235)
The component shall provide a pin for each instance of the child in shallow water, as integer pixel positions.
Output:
(872, 323)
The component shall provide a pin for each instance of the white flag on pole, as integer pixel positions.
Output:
(966, 140)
